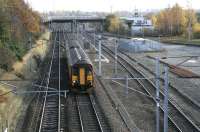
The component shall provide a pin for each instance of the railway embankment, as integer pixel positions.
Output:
(20, 78)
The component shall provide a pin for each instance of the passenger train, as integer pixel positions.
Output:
(80, 69)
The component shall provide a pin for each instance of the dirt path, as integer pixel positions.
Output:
(12, 106)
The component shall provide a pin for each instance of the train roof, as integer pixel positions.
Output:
(76, 54)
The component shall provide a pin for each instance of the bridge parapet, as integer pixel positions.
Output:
(61, 19)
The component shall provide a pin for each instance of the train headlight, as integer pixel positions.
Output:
(74, 79)
(89, 77)
(90, 83)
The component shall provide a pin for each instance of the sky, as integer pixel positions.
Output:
(107, 5)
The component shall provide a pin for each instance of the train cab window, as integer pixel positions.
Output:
(89, 76)
(74, 75)
(75, 71)
(89, 73)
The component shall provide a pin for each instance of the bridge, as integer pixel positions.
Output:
(76, 20)
(72, 19)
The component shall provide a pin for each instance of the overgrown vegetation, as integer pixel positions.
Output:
(18, 25)
(177, 21)
(113, 24)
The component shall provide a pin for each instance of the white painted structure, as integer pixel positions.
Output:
(140, 24)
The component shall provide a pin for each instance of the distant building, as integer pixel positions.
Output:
(140, 24)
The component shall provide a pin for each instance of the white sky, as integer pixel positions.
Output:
(105, 5)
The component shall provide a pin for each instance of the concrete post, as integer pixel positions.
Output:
(100, 56)
(157, 95)
(166, 100)
(94, 39)
(116, 43)
(83, 27)
(65, 93)
(77, 30)
(7, 125)
(101, 28)
(59, 107)
(126, 78)
(72, 27)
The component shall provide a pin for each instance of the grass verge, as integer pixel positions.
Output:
(12, 106)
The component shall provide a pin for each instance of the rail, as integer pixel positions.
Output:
(183, 122)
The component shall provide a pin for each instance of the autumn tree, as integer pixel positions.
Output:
(113, 24)
(171, 20)
(174, 21)
(18, 22)
(177, 20)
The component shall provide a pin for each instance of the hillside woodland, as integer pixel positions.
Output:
(19, 28)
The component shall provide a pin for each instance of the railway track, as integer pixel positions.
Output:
(88, 115)
(177, 118)
(50, 112)
(192, 106)
(53, 112)
(84, 114)
(36, 105)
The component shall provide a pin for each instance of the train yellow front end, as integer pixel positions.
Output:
(80, 69)
(82, 78)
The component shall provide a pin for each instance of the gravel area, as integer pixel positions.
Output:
(140, 107)
(14, 108)
(187, 86)
(193, 64)
(115, 121)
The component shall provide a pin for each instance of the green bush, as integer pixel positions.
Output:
(18, 49)
(7, 58)
(1, 44)
(17, 24)
(196, 35)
